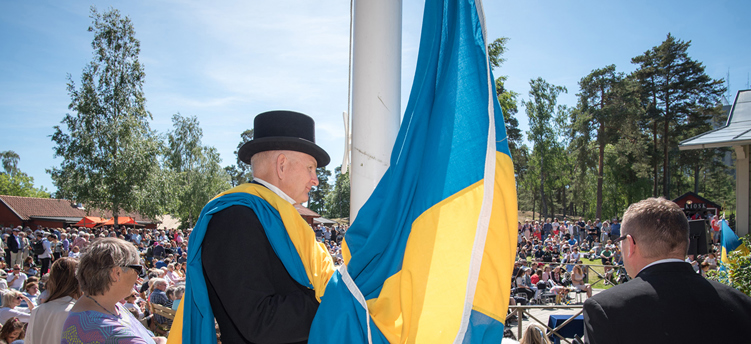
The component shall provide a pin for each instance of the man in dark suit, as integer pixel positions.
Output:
(15, 247)
(666, 302)
(252, 295)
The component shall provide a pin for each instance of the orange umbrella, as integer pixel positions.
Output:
(120, 221)
(89, 221)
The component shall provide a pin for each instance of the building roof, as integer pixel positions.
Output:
(305, 211)
(736, 132)
(691, 197)
(27, 208)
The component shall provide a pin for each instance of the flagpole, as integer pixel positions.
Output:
(376, 93)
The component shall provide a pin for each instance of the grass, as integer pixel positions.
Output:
(592, 276)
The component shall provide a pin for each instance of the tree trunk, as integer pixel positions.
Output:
(665, 159)
(654, 160)
(600, 169)
(697, 170)
(543, 206)
(665, 144)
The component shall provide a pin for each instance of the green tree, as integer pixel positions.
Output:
(542, 110)
(604, 104)
(674, 88)
(108, 149)
(241, 173)
(10, 161)
(196, 170)
(20, 184)
(317, 201)
(337, 202)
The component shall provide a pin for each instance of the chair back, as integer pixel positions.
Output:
(163, 311)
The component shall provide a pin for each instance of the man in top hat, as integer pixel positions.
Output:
(253, 290)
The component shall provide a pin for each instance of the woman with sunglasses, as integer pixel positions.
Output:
(11, 300)
(107, 271)
(46, 324)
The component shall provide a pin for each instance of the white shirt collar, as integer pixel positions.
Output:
(275, 189)
(667, 260)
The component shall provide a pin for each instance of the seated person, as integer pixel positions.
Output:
(538, 255)
(177, 296)
(134, 305)
(159, 297)
(31, 291)
(547, 256)
(577, 280)
(522, 286)
(29, 268)
(16, 278)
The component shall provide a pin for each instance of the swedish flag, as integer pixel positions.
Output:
(730, 242)
(429, 258)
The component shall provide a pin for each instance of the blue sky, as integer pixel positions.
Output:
(226, 61)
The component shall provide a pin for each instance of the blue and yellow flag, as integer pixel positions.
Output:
(730, 242)
(430, 255)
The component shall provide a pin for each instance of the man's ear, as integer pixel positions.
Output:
(632, 246)
(281, 165)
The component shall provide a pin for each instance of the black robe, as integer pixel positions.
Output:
(253, 297)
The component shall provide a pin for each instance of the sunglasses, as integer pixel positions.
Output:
(19, 298)
(136, 267)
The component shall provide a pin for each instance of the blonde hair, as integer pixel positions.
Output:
(534, 335)
(10, 296)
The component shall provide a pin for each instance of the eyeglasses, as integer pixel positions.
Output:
(623, 237)
(136, 267)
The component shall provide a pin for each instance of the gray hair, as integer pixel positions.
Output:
(97, 261)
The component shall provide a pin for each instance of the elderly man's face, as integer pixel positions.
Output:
(298, 175)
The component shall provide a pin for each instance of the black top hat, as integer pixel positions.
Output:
(283, 130)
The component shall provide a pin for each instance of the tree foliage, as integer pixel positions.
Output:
(195, 170)
(679, 98)
(545, 114)
(620, 142)
(14, 182)
(107, 147)
(337, 201)
(10, 161)
(317, 201)
(241, 173)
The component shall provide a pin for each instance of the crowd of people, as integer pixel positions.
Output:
(549, 256)
(39, 284)
(36, 259)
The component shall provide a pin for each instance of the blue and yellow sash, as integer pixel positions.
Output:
(306, 260)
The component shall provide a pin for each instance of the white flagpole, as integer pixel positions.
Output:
(376, 99)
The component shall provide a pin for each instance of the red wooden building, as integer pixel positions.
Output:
(53, 213)
(693, 203)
